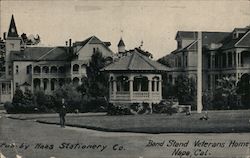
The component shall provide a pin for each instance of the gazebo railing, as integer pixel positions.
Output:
(136, 95)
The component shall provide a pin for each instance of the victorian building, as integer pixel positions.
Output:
(45, 68)
(224, 54)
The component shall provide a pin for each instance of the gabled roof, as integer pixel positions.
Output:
(40, 54)
(135, 61)
(121, 43)
(12, 28)
(91, 40)
(244, 41)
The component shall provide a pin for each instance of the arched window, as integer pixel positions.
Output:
(36, 83)
(45, 84)
(111, 82)
(53, 84)
(45, 69)
(61, 69)
(140, 83)
(76, 81)
(155, 83)
(37, 70)
(75, 68)
(122, 83)
(53, 69)
(17, 69)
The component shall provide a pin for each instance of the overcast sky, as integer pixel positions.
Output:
(154, 22)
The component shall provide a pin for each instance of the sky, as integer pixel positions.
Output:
(153, 22)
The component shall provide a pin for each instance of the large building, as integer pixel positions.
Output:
(224, 54)
(45, 68)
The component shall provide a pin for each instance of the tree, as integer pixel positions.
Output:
(226, 91)
(96, 84)
(31, 40)
(185, 89)
(73, 99)
(243, 89)
(18, 97)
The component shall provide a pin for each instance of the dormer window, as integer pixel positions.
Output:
(179, 44)
(235, 35)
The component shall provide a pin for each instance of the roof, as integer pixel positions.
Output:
(12, 28)
(40, 54)
(135, 61)
(121, 43)
(92, 40)
(244, 41)
(25, 84)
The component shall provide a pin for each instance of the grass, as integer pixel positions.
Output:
(218, 122)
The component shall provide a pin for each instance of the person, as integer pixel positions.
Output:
(62, 114)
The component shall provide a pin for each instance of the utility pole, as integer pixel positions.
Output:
(199, 73)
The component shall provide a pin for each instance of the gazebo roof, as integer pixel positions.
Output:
(135, 61)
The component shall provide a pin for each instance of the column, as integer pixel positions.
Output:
(232, 59)
(150, 89)
(131, 89)
(211, 61)
(239, 59)
(11, 89)
(160, 89)
(211, 81)
(49, 86)
(226, 59)
(155, 85)
(115, 90)
(41, 85)
(110, 89)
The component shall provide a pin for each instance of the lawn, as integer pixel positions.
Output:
(218, 122)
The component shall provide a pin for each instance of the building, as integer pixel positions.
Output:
(45, 68)
(224, 54)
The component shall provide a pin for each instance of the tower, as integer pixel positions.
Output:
(13, 43)
(121, 46)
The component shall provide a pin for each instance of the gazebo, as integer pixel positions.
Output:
(135, 78)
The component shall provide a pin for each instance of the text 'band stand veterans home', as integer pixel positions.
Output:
(135, 78)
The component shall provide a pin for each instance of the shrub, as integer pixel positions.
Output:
(165, 106)
(118, 110)
(9, 107)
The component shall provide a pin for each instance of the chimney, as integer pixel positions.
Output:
(4, 35)
(70, 42)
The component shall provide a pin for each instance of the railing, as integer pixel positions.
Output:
(138, 96)
(48, 75)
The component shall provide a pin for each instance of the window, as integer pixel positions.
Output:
(28, 69)
(17, 69)
(186, 61)
(179, 44)
(9, 68)
(17, 85)
(93, 50)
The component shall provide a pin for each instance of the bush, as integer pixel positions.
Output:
(118, 110)
(9, 107)
(165, 106)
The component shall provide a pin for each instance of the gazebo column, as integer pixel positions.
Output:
(160, 88)
(110, 89)
(150, 89)
(115, 90)
(155, 85)
(131, 89)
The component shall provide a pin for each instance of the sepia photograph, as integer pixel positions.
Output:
(124, 79)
